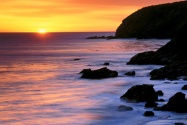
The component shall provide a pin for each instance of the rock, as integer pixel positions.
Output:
(160, 100)
(106, 63)
(179, 123)
(143, 58)
(131, 73)
(176, 103)
(99, 73)
(151, 104)
(76, 59)
(124, 108)
(96, 37)
(149, 113)
(184, 87)
(141, 93)
(101, 37)
(157, 21)
(171, 55)
(160, 93)
(85, 71)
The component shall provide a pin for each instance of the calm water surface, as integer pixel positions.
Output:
(40, 82)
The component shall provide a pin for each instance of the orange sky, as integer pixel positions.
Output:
(67, 15)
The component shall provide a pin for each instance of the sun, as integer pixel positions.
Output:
(42, 31)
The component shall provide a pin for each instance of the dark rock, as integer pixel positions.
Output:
(175, 83)
(106, 63)
(151, 104)
(124, 108)
(171, 55)
(96, 37)
(172, 78)
(101, 37)
(179, 123)
(99, 73)
(176, 103)
(85, 71)
(76, 59)
(160, 93)
(143, 58)
(158, 21)
(141, 93)
(184, 87)
(160, 100)
(149, 113)
(131, 73)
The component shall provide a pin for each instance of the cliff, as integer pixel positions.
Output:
(159, 21)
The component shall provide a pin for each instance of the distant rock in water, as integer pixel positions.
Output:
(99, 73)
(159, 21)
(106, 64)
(141, 93)
(101, 37)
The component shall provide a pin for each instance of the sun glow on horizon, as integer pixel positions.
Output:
(42, 31)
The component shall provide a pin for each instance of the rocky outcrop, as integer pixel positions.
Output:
(141, 93)
(159, 21)
(176, 103)
(172, 55)
(98, 74)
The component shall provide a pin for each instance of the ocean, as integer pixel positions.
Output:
(40, 82)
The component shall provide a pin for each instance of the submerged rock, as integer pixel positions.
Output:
(124, 108)
(99, 73)
(149, 113)
(131, 73)
(141, 93)
(176, 103)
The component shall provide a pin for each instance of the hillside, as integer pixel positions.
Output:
(159, 21)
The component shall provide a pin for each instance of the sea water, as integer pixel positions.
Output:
(40, 82)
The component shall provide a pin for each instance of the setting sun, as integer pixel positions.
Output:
(42, 31)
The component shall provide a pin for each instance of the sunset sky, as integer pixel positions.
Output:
(67, 15)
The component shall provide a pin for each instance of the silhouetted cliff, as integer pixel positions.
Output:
(159, 21)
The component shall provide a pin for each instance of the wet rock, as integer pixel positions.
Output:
(171, 78)
(151, 104)
(149, 113)
(143, 58)
(176, 103)
(131, 73)
(179, 123)
(184, 87)
(160, 93)
(141, 93)
(160, 100)
(85, 71)
(106, 63)
(124, 108)
(99, 73)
